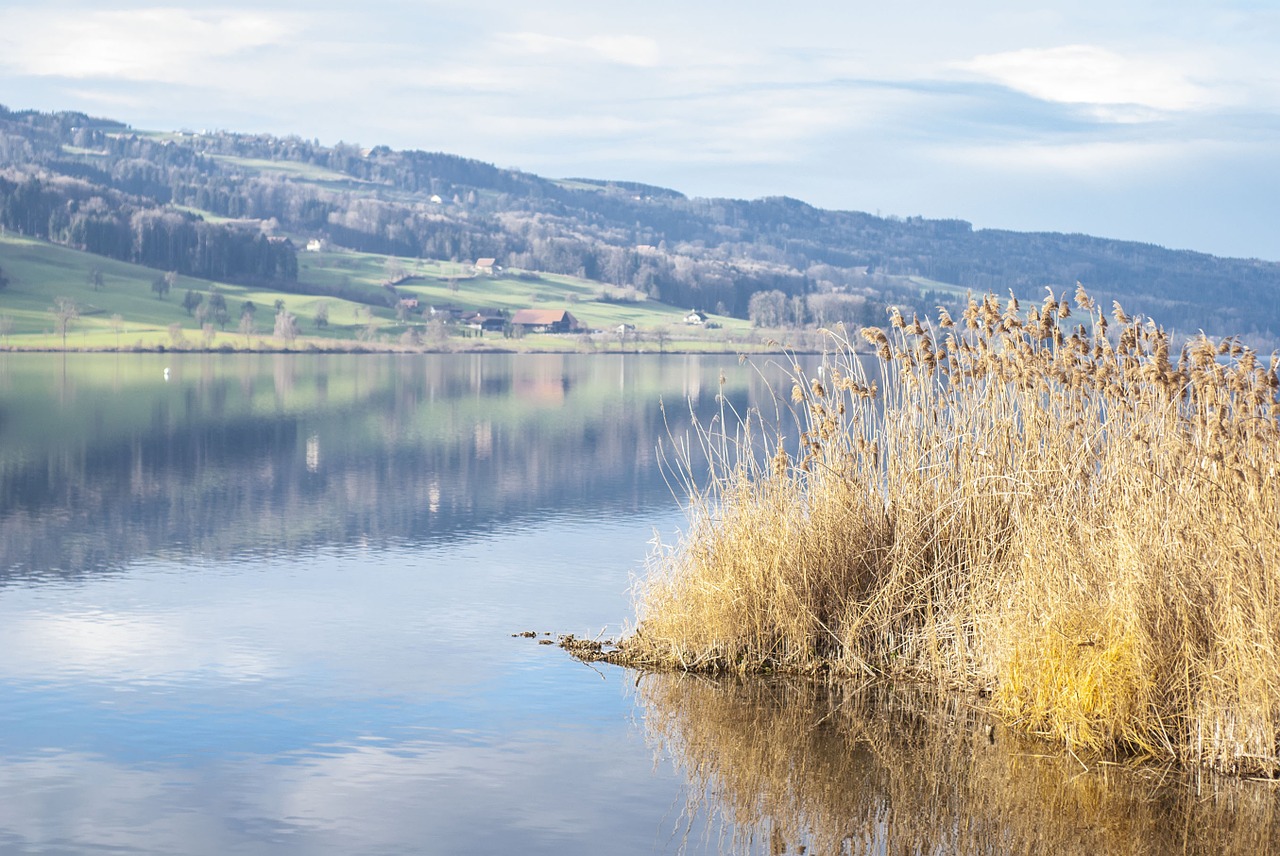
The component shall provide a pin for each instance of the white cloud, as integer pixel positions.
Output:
(1087, 74)
(635, 51)
(125, 646)
(1096, 159)
(137, 44)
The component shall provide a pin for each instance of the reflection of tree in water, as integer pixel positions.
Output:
(790, 766)
(249, 458)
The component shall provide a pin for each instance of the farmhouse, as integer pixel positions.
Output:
(447, 313)
(485, 265)
(486, 322)
(696, 317)
(546, 320)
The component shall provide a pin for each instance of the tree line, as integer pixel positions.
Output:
(87, 217)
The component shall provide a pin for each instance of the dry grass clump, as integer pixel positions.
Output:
(1065, 518)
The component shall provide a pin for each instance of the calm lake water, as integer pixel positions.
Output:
(267, 605)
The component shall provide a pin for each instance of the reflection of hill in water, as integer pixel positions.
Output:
(254, 455)
(797, 767)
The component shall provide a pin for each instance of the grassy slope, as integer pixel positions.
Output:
(39, 272)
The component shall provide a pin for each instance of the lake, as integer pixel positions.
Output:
(270, 604)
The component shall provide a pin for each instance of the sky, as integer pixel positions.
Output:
(1132, 119)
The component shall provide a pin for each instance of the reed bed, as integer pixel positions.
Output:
(1064, 517)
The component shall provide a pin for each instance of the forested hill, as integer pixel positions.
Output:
(239, 208)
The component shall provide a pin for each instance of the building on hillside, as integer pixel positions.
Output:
(695, 317)
(486, 265)
(486, 322)
(546, 321)
(447, 313)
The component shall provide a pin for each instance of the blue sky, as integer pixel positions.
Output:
(1152, 121)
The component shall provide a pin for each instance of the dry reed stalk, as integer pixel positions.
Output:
(1063, 519)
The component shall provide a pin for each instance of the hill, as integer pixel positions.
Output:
(241, 209)
(117, 306)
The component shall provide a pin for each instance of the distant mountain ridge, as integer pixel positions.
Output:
(220, 205)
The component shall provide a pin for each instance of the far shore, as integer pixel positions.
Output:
(460, 346)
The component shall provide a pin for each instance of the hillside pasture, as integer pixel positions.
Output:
(352, 287)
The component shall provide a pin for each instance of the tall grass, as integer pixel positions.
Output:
(1073, 521)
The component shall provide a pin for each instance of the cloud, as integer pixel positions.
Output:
(1086, 74)
(1083, 158)
(635, 51)
(125, 646)
(137, 44)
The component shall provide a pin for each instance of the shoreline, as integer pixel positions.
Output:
(761, 350)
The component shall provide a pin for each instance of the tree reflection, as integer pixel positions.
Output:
(257, 455)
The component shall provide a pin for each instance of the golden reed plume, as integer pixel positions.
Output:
(1062, 521)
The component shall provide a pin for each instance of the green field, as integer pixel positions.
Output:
(292, 169)
(127, 314)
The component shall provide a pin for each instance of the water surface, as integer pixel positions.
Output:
(267, 605)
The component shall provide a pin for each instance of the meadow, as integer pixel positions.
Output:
(1065, 521)
(125, 313)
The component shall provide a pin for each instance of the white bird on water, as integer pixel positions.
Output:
(166, 372)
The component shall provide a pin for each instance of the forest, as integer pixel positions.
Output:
(240, 207)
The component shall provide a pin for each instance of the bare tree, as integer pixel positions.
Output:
(767, 308)
(246, 326)
(286, 326)
(437, 334)
(395, 270)
(369, 332)
(65, 312)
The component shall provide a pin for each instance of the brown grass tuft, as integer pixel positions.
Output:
(1074, 524)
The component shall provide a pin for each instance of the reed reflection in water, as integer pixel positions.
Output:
(790, 766)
